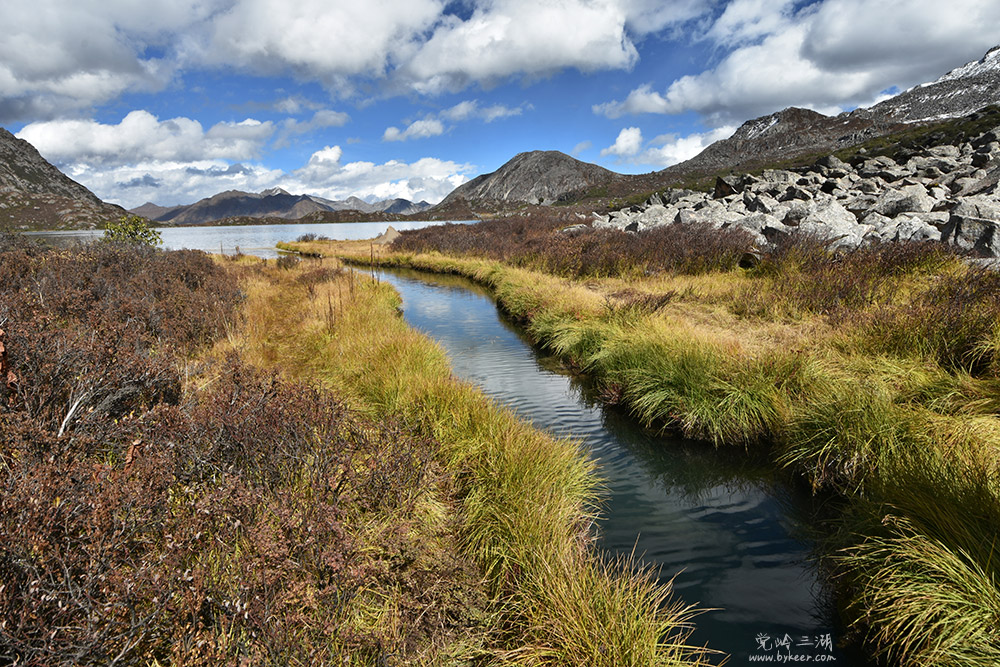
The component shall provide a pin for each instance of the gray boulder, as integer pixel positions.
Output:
(795, 192)
(973, 226)
(870, 186)
(726, 186)
(986, 184)
(827, 219)
(759, 203)
(945, 151)
(775, 181)
(576, 230)
(912, 227)
(909, 198)
(656, 216)
(833, 162)
(715, 215)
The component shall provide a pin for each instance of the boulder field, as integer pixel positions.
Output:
(943, 193)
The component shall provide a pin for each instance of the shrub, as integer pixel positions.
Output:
(253, 521)
(537, 242)
(132, 229)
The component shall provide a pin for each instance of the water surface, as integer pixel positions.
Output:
(256, 240)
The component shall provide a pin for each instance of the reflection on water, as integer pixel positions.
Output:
(725, 526)
(256, 240)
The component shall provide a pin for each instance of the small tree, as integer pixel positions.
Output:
(132, 229)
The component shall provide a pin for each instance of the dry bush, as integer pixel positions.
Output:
(93, 333)
(139, 524)
(537, 242)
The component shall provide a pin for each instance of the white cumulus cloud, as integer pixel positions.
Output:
(670, 149)
(418, 129)
(428, 179)
(503, 38)
(177, 161)
(314, 38)
(322, 118)
(432, 125)
(664, 150)
(826, 56)
(62, 58)
(142, 136)
(59, 57)
(469, 109)
(628, 143)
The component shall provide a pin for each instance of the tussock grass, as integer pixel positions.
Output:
(527, 500)
(924, 582)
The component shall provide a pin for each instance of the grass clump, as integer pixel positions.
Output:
(923, 581)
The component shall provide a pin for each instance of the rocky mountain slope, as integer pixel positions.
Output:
(957, 93)
(537, 177)
(272, 203)
(36, 195)
(794, 133)
(912, 189)
(783, 135)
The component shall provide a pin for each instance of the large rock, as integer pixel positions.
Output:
(656, 216)
(827, 219)
(759, 203)
(832, 162)
(973, 226)
(715, 215)
(986, 184)
(907, 199)
(726, 186)
(911, 227)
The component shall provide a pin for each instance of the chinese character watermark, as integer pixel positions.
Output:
(785, 648)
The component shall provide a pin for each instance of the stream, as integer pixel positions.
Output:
(729, 531)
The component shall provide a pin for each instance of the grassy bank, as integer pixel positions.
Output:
(525, 500)
(872, 374)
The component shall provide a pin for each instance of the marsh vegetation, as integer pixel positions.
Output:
(872, 374)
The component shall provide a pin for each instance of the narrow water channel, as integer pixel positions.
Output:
(728, 531)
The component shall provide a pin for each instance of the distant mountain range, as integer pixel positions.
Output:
(34, 194)
(273, 203)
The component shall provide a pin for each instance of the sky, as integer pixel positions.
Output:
(170, 101)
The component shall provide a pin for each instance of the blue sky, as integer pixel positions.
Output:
(174, 100)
